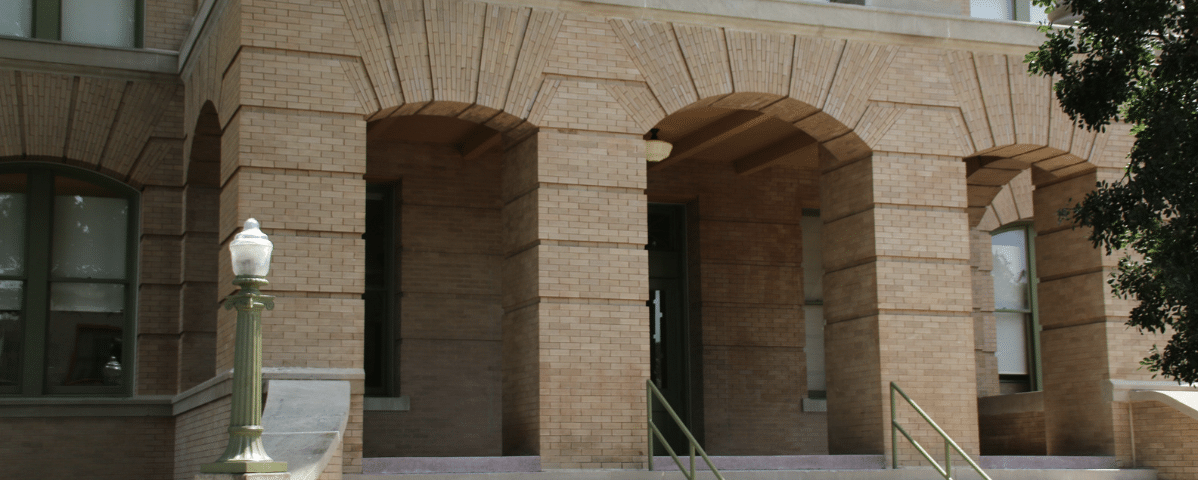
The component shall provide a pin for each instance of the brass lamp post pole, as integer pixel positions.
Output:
(251, 261)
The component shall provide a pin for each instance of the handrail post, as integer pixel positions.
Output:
(649, 417)
(893, 431)
(948, 459)
(692, 460)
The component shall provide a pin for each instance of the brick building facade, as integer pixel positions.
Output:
(466, 228)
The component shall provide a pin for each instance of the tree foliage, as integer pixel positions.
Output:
(1136, 61)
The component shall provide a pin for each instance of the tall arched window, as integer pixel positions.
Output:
(67, 281)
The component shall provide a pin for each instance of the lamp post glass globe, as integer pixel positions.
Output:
(250, 251)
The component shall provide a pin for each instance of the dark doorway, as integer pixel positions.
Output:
(668, 333)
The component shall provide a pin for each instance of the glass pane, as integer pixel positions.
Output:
(1010, 270)
(1012, 343)
(813, 264)
(1037, 15)
(11, 334)
(89, 237)
(87, 297)
(992, 9)
(16, 18)
(658, 367)
(12, 233)
(99, 22)
(83, 349)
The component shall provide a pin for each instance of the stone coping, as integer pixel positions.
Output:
(210, 390)
(94, 60)
(1120, 390)
(1026, 402)
(1184, 402)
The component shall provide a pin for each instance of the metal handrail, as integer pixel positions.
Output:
(949, 444)
(651, 392)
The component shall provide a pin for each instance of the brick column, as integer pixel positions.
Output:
(897, 300)
(575, 284)
(1084, 343)
(300, 174)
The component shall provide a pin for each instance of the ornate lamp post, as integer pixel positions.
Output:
(251, 262)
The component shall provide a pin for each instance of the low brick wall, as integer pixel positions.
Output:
(87, 447)
(1166, 439)
(1012, 424)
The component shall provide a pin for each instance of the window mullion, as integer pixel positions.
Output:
(40, 194)
(47, 19)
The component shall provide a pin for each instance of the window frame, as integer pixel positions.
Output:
(38, 280)
(1032, 326)
(387, 231)
(1021, 11)
(46, 23)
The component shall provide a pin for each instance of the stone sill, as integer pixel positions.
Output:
(73, 58)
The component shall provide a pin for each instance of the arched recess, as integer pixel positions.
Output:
(1084, 344)
(437, 280)
(747, 170)
(200, 242)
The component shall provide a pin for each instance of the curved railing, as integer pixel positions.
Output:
(652, 392)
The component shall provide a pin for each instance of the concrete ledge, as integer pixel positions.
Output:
(1120, 390)
(1028, 402)
(219, 386)
(304, 422)
(426, 465)
(1011, 462)
(900, 474)
(779, 462)
(144, 63)
(1184, 402)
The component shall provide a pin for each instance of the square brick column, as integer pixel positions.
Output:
(897, 301)
(576, 278)
(1084, 343)
(300, 174)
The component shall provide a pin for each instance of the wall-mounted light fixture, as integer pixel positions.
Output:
(656, 150)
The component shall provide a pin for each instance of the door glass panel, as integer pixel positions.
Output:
(16, 18)
(11, 333)
(89, 237)
(99, 22)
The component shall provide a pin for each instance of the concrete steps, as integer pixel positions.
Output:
(800, 467)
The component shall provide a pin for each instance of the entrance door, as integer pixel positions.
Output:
(668, 335)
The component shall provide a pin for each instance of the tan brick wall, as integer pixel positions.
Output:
(576, 291)
(201, 435)
(1077, 362)
(1165, 440)
(746, 295)
(450, 312)
(167, 22)
(891, 297)
(95, 447)
(1019, 433)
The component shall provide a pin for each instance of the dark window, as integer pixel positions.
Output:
(67, 263)
(115, 23)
